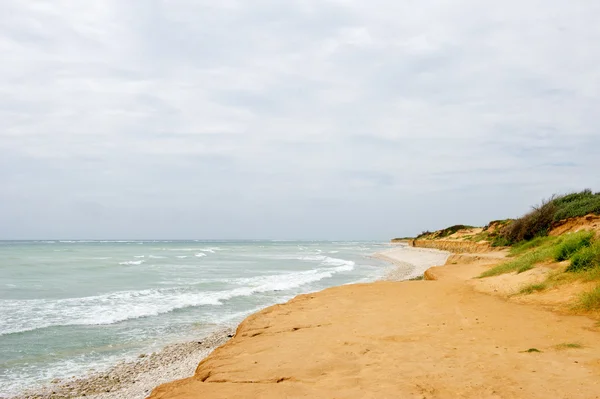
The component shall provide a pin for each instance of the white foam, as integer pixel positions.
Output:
(132, 262)
(139, 256)
(181, 256)
(157, 257)
(32, 314)
(25, 315)
(200, 254)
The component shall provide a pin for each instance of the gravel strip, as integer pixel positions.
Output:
(135, 379)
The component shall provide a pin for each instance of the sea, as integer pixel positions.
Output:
(74, 306)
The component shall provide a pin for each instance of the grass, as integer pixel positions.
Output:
(568, 345)
(532, 350)
(572, 243)
(530, 289)
(586, 258)
(522, 247)
(523, 263)
(590, 300)
(580, 248)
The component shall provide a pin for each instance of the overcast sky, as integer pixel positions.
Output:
(296, 119)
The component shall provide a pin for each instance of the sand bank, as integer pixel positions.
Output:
(412, 339)
(411, 262)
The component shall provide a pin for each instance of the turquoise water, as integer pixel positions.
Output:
(67, 306)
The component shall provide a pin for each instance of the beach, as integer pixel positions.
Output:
(409, 339)
(136, 378)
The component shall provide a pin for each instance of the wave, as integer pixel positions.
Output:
(181, 256)
(200, 254)
(157, 257)
(27, 315)
(139, 256)
(18, 316)
(132, 262)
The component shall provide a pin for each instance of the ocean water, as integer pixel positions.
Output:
(67, 306)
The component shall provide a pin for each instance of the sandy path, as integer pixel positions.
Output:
(416, 339)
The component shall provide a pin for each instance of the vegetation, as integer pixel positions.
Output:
(530, 289)
(577, 204)
(527, 259)
(418, 278)
(586, 257)
(424, 234)
(530, 244)
(451, 230)
(568, 345)
(580, 248)
(533, 350)
(590, 300)
(538, 222)
(572, 243)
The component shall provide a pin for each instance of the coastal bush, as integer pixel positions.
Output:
(533, 224)
(539, 221)
(577, 204)
(500, 241)
(424, 234)
(585, 258)
(452, 229)
(572, 243)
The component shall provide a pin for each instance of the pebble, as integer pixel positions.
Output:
(136, 379)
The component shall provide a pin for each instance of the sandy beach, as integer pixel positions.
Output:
(410, 339)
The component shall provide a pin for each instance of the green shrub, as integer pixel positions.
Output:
(585, 258)
(577, 204)
(452, 229)
(500, 241)
(572, 243)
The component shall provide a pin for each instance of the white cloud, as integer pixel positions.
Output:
(255, 118)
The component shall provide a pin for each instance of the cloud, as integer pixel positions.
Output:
(309, 119)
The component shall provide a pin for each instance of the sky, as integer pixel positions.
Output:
(297, 119)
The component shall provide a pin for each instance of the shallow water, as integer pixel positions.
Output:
(66, 305)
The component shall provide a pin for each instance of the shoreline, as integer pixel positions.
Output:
(137, 379)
